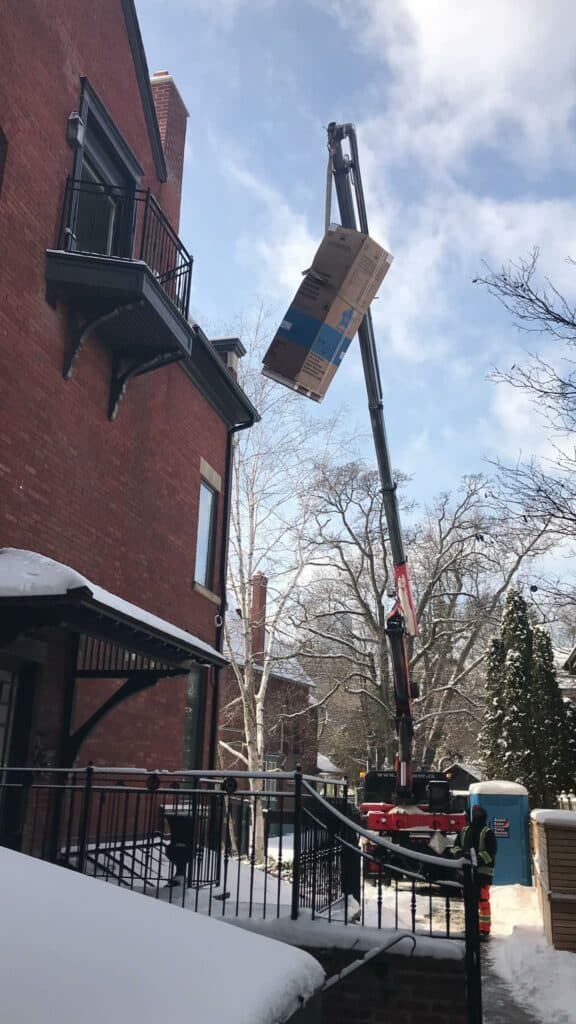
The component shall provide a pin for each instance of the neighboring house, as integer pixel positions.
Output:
(462, 775)
(117, 413)
(291, 722)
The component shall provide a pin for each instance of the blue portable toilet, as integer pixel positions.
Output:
(506, 804)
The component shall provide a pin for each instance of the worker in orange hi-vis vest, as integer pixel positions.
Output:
(478, 837)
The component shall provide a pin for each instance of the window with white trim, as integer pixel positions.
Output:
(206, 536)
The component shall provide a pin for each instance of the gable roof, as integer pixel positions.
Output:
(470, 769)
(143, 79)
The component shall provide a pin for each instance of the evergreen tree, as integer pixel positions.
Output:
(551, 719)
(491, 735)
(521, 752)
(526, 735)
(571, 718)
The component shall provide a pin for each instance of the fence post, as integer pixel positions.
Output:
(296, 862)
(473, 968)
(85, 819)
(144, 237)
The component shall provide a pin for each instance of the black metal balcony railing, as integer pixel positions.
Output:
(126, 223)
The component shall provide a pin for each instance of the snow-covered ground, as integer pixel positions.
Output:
(66, 921)
(540, 978)
(76, 949)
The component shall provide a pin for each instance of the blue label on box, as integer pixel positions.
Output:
(326, 342)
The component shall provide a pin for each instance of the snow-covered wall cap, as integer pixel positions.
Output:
(563, 819)
(498, 786)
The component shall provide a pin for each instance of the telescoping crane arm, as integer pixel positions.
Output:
(401, 621)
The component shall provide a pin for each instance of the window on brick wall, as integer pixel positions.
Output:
(206, 535)
(3, 151)
(101, 206)
(291, 742)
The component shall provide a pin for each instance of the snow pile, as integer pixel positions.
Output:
(561, 819)
(541, 978)
(76, 949)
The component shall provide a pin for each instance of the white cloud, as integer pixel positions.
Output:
(455, 76)
(458, 79)
(285, 249)
(482, 72)
(513, 432)
(439, 245)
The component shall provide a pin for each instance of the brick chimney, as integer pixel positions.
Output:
(258, 614)
(172, 116)
(230, 351)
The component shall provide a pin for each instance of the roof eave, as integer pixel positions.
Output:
(143, 79)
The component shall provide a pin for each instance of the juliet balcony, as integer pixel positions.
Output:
(122, 273)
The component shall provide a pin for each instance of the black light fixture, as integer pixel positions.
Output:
(75, 129)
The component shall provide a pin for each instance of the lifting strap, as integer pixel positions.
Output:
(328, 208)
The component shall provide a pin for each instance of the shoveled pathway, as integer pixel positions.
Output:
(497, 1004)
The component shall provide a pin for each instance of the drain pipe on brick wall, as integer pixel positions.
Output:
(223, 574)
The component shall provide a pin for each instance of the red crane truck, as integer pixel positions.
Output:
(407, 805)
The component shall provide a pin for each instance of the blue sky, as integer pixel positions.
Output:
(466, 120)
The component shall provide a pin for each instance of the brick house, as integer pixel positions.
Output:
(291, 723)
(117, 413)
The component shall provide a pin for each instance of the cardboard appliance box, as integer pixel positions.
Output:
(327, 311)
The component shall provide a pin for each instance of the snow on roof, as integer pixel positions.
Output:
(29, 574)
(284, 663)
(500, 786)
(324, 764)
(563, 819)
(81, 949)
(472, 769)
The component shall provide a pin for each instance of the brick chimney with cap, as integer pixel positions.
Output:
(230, 351)
(258, 615)
(172, 116)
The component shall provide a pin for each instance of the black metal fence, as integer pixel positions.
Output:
(253, 844)
(126, 223)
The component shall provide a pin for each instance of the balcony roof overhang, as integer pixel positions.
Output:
(97, 286)
(39, 593)
(123, 303)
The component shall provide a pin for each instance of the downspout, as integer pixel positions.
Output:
(223, 579)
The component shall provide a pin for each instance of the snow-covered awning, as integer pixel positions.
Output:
(36, 592)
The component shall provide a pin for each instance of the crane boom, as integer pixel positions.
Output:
(401, 621)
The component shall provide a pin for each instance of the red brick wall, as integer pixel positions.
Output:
(394, 990)
(117, 501)
(145, 732)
